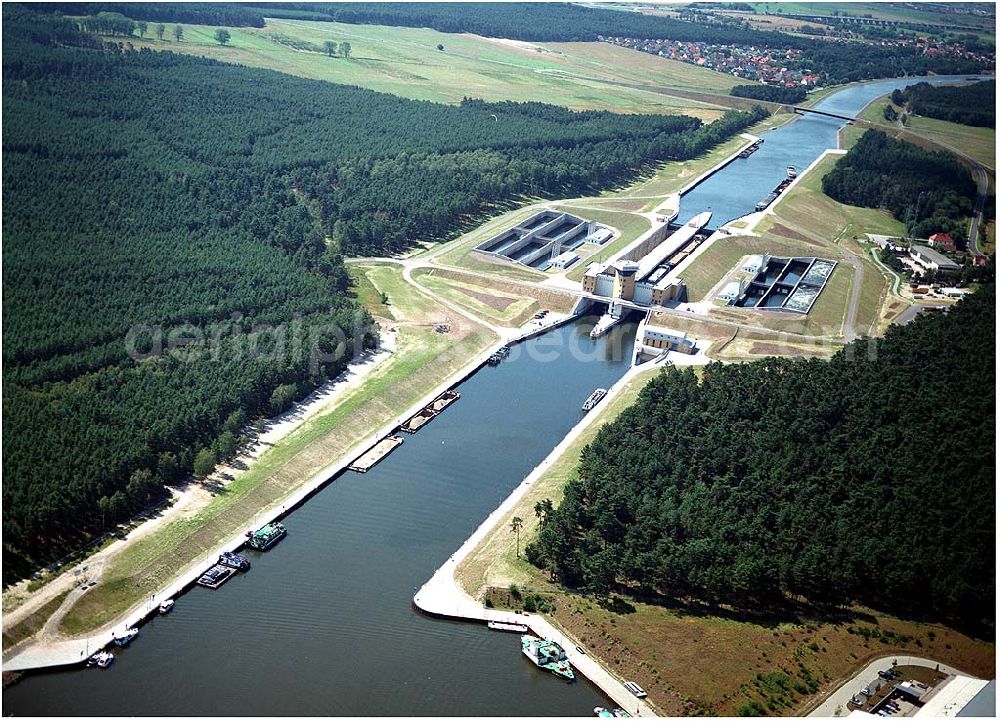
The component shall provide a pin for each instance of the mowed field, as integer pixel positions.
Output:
(406, 62)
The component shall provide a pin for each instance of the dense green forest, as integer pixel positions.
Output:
(773, 93)
(231, 14)
(835, 61)
(159, 199)
(868, 478)
(971, 105)
(930, 191)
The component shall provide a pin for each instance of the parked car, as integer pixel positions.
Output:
(885, 675)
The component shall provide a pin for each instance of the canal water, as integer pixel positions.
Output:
(322, 624)
(735, 190)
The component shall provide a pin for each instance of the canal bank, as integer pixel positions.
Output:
(326, 617)
(442, 597)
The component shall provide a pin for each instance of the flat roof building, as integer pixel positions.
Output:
(931, 259)
(660, 338)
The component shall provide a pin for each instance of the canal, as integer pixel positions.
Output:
(734, 190)
(322, 624)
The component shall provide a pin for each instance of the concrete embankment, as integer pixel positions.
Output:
(442, 596)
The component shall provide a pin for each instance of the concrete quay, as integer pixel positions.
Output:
(443, 597)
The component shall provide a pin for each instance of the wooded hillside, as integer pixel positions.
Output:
(972, 105)
(868, 478)
(931, 190)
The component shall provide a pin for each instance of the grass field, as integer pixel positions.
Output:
(406, 62)
(903, 12)
(806, 206)
(510, 307)
(423, 359)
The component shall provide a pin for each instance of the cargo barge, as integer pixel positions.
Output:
(264, 539)
(751, 149)
(376, 454)
(440, 403)
(214, 576)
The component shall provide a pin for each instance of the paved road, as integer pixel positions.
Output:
(840, 697)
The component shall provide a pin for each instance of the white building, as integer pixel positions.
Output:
(660, 338)
(754, 264)
(564, 260)
(732, 291)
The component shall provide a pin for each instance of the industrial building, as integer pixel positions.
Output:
(932, 260)
(640, 277)
(788, 284)
(543, 239)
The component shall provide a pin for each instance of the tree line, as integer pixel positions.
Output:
(173, 225)
(930, 191)
(230, 14)
(772, 93)
(972, 105)
(868, 479)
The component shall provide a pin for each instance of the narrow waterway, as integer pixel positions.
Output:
(322, 624)
(736, 189)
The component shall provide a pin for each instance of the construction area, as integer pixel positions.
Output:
(547, 239)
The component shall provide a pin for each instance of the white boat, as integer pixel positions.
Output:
(701, 220)
(603, 713)
(166, 606)
(791, 172)
(125, 638)
(507, 627)
(100, 659)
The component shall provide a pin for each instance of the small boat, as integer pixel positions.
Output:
(596, 396)
(125, 638)
(100, 659)
(791, 172)
(235, 561)
(603, 713)
(166, 606)
(507, 627)
(619, 713)
(548, 655)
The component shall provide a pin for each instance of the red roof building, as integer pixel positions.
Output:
(943, 242)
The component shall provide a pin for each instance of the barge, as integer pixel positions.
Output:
(376, 454)
(440, 403)
(547, 655)
(265, 538)
(751, 149)
(214, 576)
(596, 396)
(507, 627)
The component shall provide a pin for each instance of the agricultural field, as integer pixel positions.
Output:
(900, 12)
(407, 62)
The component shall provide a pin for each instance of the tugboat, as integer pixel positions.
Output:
(166, 606)
(125, 638)
(548, 655)
(100, 659)
(235, 561)
(266, 537)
